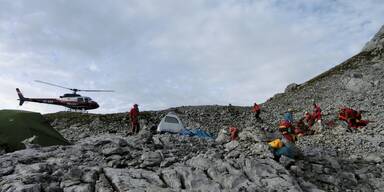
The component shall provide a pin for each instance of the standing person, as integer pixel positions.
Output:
(316, 115)
(234, 131)
(134, 115)
(288, 116)
(256, 109)
(316, 112)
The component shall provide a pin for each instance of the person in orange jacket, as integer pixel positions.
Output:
(256, 109)
(134, 116)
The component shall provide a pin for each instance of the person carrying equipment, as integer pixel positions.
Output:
(287, 130)
(283, 147)
(134, 116)
(256, 109)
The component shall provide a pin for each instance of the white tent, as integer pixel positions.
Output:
(170, 123)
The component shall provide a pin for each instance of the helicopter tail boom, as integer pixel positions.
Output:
(21, 97)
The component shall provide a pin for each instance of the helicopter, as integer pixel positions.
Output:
(73, 101)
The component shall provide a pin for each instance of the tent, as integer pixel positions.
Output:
(170, 123)
(16, 126)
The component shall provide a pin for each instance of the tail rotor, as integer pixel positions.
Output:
(21, 97)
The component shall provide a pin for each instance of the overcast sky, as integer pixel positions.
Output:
(166, 53)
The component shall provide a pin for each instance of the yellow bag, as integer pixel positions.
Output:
(276, 144)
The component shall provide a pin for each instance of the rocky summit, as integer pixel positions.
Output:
(103, 158)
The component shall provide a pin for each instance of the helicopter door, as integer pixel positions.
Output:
(80, 99)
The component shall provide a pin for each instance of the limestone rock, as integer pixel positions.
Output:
(358, 85)
(291, 87)
(128, 179)
(151, 159)
(377, 42)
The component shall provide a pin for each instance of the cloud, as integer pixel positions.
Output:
(169, 53)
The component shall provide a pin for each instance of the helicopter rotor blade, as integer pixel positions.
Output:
(74, 89)
(86, 90)
(51, 84)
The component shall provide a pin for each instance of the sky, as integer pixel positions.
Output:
(170, 53)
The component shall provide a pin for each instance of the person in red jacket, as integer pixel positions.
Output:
(352, 117)
(256, 109)
(355, 121)
(343, 114)
(309, 119)
(302, 128)
(234, 133)
(316, 112)
(287, 130)
(134, 115)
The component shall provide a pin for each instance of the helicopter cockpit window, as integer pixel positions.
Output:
(86, 99)
(80, 99)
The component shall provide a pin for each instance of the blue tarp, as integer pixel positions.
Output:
(196, 133)
(186, 132)
(202, 134)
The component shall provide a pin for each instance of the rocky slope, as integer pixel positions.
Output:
(145, 163)
(103, 158)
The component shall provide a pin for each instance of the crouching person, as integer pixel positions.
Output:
(284, 147)
(352, 117)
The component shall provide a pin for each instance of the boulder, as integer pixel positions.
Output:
(150, 159)
(358, 85)
(133, 179)
(291, 87)
(103, 185)
(223, 136)
(197, 180)
(78, 188)
(172, 178)
(26, 188)
(231, 145)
